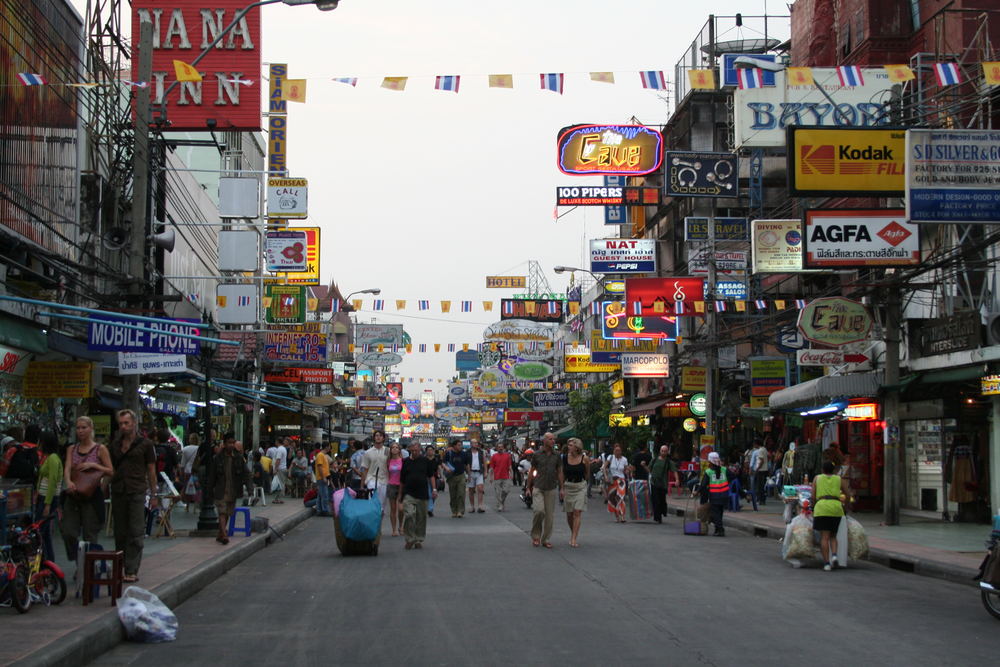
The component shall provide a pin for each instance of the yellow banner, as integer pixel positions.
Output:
(58, 379)
(693, 378)
(581, 363)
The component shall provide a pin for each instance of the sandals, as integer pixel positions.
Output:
(130, 579)
(547, 545)
(536, 543)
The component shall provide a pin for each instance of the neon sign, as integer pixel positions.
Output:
(617, 324)
(609, 149)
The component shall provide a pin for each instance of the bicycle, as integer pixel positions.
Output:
(14, 590)
(46, 580)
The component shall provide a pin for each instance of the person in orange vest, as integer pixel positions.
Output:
(715, 491)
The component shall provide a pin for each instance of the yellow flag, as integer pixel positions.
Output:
(741, 306)
(400, 304)
(437, 348)
(446, 306)
(312, 304)
(779, 304)
(799, 76)
(350, 348)
(220, 301)
(421, 380)
(699, 306)
(659, 306)
(409, 348)
(465, 347)
(899, 73)
(501, 81)
(680, 339)
(487, 306)
(603, 77)
(701, 79)
(394, 82)
(529, 307)
(294, 90)
(520, 347)
(586, 384)
(185, 72)
(548, 345)
(381, 347)
(574, 307)
(991, 72)
(266, 301)
(356, 304)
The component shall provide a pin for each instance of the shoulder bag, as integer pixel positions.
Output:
(85, 481)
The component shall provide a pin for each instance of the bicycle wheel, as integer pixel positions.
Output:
(991, 600)
(20, 595)
(54, 586)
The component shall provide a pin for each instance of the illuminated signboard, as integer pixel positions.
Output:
(534, 310)
(616, 323)
(666, 291)
(861, 412)
(600, 195)
(630, 150)
(622, 255)
(230, 90)
(989, 385)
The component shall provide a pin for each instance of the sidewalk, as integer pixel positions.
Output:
(172, 568)
(922, 545)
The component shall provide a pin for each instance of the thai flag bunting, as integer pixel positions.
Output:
(423, 305)
(508, 307)
(615, 344)
(336, 348)
(421, 348)
(575, 325)
(366, 347)
(378, 304)
(761, 304)
(720, 306)
(553, 307)
(749, 78)
(850, 75)
(451, 347)
(948, 74)
(335, 305)
(637, 307)
(466, 306)
(553, 82)
(349, 80)
(29, 79)
(678, 307)
(653, 79)
(447, 83)
(194, 297)
(800, 303)
(595, 308)
(243, 301)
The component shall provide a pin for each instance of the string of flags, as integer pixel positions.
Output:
(945, 73)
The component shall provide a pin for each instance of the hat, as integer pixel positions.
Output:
(713, 457)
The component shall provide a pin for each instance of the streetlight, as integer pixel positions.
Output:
(346, 305)
(208, 519)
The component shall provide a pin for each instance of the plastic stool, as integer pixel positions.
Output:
(246, 528)
(113, 578)
(258, 494)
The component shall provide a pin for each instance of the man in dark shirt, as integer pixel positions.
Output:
(659, 482)
(414, 492)
(640, 462)
(544, 482)
(455, 463)
(134, 462)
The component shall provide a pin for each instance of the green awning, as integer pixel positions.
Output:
(942, 376)
(570, 432)
(16, 333)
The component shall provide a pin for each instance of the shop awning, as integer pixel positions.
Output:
(16, 333)
(647, 408)
(826, 390)
(942, 376)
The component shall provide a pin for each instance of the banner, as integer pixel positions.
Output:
(860, 237)
(137, 363)
(300, 347)
(623, 255)
(824, 161)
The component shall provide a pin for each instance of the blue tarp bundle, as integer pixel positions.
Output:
(360, 518)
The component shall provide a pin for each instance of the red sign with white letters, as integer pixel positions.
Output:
(667, 291)
(230, 90)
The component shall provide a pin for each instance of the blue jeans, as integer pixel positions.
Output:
(430, 496)
(47, 550)
(322, 496)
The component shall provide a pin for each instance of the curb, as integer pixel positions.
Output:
(102, 634)
(885, 557)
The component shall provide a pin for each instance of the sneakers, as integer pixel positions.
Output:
(827, 568)
(833, 563)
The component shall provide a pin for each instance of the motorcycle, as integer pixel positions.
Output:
(989, 575)
(525, 494)
(46, 581)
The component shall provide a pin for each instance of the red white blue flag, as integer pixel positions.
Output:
(553, 307)
(422, 347)
(29, 79)
(378, 304)
(948, 74)
(751, 77)
(349, 80)
(447, 83)
(653, 79)
(637, 307)
(423, 305)
(553, 82)
(508, 307)
(451, 347)
(850, 75)
(466, 306)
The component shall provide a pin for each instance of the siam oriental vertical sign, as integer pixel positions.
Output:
(230, 89)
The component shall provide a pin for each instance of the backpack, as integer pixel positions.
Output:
(161, 459)
(23, 463)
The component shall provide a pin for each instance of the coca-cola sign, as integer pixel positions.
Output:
(819, 357)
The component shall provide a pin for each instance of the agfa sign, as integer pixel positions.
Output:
(835, 321)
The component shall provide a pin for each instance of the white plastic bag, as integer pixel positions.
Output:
(275, 484)
(798, 542)
(145, 617)
(857, 541)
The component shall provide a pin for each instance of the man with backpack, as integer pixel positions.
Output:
(21, 460)
(166, 456)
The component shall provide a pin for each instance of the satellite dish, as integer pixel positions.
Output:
(740, 46)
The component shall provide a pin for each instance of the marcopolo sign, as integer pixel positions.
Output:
(835, 321)
(860, 237)
(867, 161)
(623, 255)
(641, 365)
(630, 150)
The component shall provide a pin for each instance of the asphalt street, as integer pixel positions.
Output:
(479, 593)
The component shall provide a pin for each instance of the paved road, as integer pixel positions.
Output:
(479, 593)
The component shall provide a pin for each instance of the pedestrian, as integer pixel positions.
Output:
(544, 483)
(616, 472)
(413, 496)
(87, 462)
(374, 473)
(189, 454)
(575, 471)
(476, 476)
(501, 469)
(357, 454)
(321, 468)
(279, 470)
(758, 472)
(435, 462)
(715, 491)
(229, 477)
(830, 492)
(134, 462)
(48, 485)
(300, 470)
(659, 482)
(166, 459)
(788, 463)
(394, 465)
(455, 463)
(640, 462)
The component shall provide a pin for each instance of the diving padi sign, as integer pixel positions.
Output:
(155, 338)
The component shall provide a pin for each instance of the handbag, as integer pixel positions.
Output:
(440, 484)
(86, 482)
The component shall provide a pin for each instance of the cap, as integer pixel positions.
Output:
(714, 457)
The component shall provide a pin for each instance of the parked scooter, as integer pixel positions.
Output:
(989, 575)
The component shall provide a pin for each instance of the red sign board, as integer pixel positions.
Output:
(306, 375)
(230, 90)
(521, 417)
(667, 291)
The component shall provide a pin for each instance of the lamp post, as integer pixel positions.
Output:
(208, 520)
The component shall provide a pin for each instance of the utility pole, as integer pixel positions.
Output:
(140, 194)
(712, 356)
(890, 457)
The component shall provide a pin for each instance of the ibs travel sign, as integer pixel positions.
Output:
(630, 150)
(868, 161)
(860, 237)
(623, 255)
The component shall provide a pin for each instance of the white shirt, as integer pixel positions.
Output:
(375, 462)
(280, 459)
(617, 465)
(188, 455)
(475, 460)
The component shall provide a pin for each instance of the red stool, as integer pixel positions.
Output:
(113, 579)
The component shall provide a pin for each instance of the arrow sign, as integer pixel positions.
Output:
(855, 358)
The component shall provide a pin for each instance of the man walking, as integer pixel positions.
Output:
(715, 491)
(476, 476)
(375, 467)
(544, 480)
(659, 482)
(279, 466)
(758, 472)
(229, 478)
(134, 463)
(455, 463)
(321, 466)
(413, 495)
(501, 468)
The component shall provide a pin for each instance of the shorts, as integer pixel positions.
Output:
(830, 523)
(222, 507)
(392, 491)
(474, 479)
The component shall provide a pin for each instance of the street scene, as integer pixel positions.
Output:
(362, 330)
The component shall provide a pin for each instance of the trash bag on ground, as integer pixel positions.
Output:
(145, 617)
(798, 542)
(857, 541)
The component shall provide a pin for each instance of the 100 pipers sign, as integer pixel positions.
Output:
(230, 89)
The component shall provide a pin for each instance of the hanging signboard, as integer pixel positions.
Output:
(137, 363)
(286, 305)
(943, 335)
(597, 195)
(667, 291)
(530, 371)
(860, 237)
(730, 290)
(726, 229)
(287, 198)
(701, 174)
(953, 175)
(310, 276)
(835, 321)
(285, 250)
(521, 417)
(58, 379)
(104, 336)
(614, 215)
(300, 347)
(518, 331)
(277, 123)
(506, 282)
(520, 399)
(534, 310)
(576, 362)
(630, 150)
(297, 375)
(623, 255)
(378, 334)
(609, 351)
(378, 359)
(550, 400)
(762, 114)
(767, 375)
(693, 378)
(617, 324)
(730, 72)
(236, 304)
(641, 365)
(727, 262)
(859, 161)
(466, 360)
(776, 246)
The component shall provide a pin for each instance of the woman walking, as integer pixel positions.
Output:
(395, 466)
(87, 462)
(830, 491)
(576, 466)
(616, 470)
(49, 483)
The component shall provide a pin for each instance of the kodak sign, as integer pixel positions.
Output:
(859, 161)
